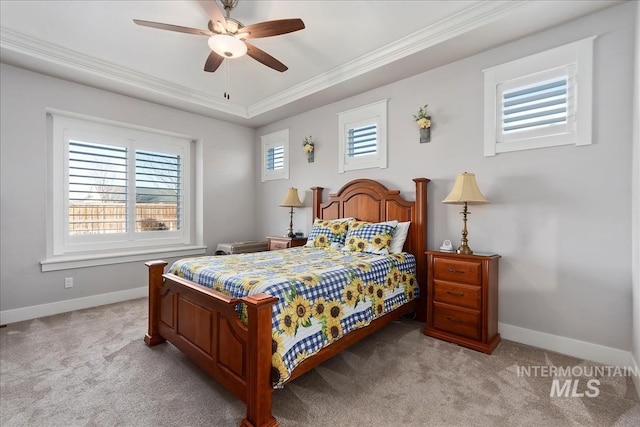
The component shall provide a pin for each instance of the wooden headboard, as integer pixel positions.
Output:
(368, 200)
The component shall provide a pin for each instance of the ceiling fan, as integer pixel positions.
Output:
(227, 36)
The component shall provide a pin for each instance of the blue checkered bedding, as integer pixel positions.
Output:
(322, 293)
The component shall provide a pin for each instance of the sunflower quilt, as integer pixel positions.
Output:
(322, 293)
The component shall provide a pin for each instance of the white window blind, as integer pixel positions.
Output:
(158, 191)
(275, 158)
(362, 141)
(539, 105)
(97, 190)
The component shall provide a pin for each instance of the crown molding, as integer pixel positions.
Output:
(472, 17)
(35, 48)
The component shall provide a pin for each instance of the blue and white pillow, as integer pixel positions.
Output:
(374, 238)
(328, 233)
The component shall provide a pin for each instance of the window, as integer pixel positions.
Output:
(538, 106)
(275, 158)
(363, 137)
(117, 189)
(362, 141)
(275, 155)
(542, 100)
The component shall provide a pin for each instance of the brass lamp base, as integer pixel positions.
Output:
(464, 248)
(291, 233)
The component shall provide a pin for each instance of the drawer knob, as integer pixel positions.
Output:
(453, 270)
(454, 319)
(455, 294)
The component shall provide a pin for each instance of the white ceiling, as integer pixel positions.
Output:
(347, 47)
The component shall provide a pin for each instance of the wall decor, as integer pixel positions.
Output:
(309, 147)
(423, 120)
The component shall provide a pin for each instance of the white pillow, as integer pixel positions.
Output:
(399, 237)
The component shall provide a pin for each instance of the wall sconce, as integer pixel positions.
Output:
(423, 120)
(309, 148)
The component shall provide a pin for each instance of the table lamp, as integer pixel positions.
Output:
(465, 192)
(291, 200)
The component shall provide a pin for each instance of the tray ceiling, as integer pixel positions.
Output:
(347, 47)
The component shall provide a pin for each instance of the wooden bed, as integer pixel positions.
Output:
(204, 324)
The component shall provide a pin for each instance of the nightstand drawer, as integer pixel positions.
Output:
(457, 270)
(278, 244)
(457, 294)
(459, 321)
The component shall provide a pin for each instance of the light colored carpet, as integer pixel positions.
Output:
(91, 368)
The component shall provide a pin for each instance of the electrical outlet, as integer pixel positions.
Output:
(68, 282)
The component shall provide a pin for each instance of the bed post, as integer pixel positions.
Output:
(259, 387)
(421, 244)
(317, 200)
(156, 269)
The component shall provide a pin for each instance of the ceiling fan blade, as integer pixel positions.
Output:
(213, 62)
(171, 27)
(214, 13)
(271, 28)
(212, 10)
(263, 57)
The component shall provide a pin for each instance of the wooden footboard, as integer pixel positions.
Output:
(204, 325)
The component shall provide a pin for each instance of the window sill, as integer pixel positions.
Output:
(66, 262)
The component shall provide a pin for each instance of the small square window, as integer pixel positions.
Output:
(275, 155)
(363, 137)
(542, 100)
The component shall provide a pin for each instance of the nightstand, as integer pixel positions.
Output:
(276, 243)
(462, 300)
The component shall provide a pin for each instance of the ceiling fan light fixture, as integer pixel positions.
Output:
(233, 25)
(227, 46)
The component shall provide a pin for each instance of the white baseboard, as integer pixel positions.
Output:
(636, 378)
(572, 347)
(35, 311)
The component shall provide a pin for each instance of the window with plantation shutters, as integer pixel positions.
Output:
(362, 141)
(362, 137)
(275, 158)
(158, 191)
(116, 188)
(542, 100)
(97, 189)
(275, 155)
(541, 105)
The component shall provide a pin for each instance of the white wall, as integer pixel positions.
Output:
(635, 252)
(228, 150)
(559, 217)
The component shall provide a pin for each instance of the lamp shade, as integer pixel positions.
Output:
(227, 46)
(465, 190)
(291, 199)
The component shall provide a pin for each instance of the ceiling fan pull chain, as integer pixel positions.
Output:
(227, 95)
